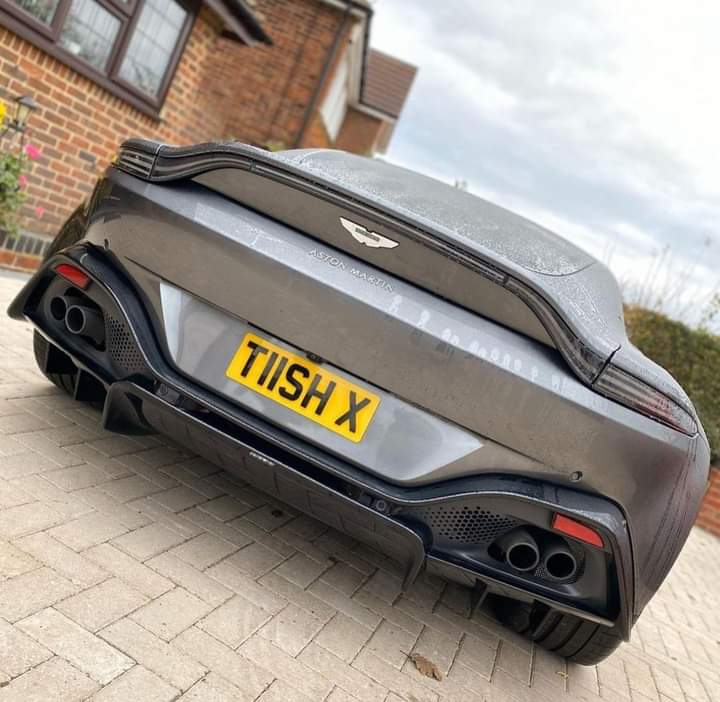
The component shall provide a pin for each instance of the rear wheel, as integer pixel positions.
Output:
(564, 634)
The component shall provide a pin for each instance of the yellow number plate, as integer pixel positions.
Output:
(303, 386)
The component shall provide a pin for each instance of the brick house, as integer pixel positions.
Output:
(709, 517)
(274, 73)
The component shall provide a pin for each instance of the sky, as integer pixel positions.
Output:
(599, 119)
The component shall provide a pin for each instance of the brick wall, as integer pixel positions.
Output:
(79, 124)
(221, 89)
(709, 517)
(359, 132)
(316, 135)
(276, 83)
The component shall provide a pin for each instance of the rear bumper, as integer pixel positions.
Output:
(144, 392)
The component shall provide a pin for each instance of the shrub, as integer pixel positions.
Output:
(12, 196)
(692, 356)
(13, 161)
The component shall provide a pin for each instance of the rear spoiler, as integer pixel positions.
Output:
(578, 314)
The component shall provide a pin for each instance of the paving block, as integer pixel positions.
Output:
(235, 621)
(168, 662)
(84, 650)
(129, 570)
(102, 604)
(171, 613)
(55, 680)
(138, 683)
(32, 591)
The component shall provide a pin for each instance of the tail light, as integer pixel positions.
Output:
(73, 275)
(618, 385)
(610, 381)
(577, 530)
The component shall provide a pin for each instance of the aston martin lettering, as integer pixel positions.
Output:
(364, 236)
(340, 265)
(303, 386)
(331, 260)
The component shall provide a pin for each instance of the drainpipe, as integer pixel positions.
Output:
(329, 59)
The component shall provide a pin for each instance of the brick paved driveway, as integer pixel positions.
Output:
(132, 571)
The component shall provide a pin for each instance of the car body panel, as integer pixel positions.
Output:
(305, 188)
(463, 397)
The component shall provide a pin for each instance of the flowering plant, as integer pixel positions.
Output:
(12, 180)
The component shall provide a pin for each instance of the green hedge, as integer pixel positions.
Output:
(691, 355)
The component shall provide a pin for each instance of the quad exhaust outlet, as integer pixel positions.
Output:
(520, 550)
(79, 319)
(85, 321)
(59, 306)
(524, 553)
(559, 561)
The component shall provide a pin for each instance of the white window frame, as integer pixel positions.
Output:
(335, 104)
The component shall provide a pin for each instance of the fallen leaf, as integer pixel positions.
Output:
(426, 667)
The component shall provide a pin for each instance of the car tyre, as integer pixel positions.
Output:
(568, 636)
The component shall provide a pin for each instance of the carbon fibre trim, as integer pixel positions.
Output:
(135, 162)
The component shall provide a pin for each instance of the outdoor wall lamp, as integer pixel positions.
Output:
(24, 106)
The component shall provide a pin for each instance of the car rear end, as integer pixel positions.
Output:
(462, 399)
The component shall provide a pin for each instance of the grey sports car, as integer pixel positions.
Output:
(417, 367)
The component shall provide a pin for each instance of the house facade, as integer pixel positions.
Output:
(274, 73)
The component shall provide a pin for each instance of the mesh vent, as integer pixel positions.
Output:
(466, 523)
(121, 347)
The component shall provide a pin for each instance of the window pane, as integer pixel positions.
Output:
(44, 10)
(90, 32)
(152, 44)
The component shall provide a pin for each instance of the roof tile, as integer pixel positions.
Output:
(387, 82)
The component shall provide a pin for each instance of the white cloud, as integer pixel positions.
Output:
(597, 119)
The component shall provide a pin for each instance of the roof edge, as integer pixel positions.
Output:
(362, 99)
(372, 111)
(240, 21)
(357, 6)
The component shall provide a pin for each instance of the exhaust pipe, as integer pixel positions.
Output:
(58, 307)
(85, 321)
(559, 561)
(520, 550)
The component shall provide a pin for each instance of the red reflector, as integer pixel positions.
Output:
(73, 275)
(576, 530)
